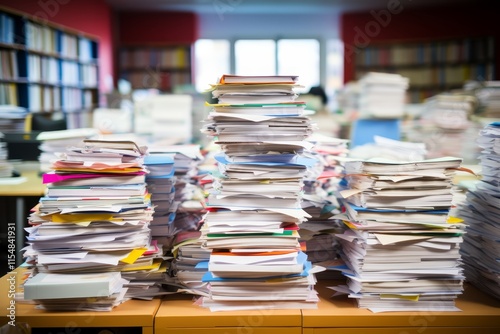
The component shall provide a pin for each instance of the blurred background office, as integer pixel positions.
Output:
(126, 51)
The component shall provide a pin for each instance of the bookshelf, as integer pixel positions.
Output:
(47, 68)
(160, 67)
(432, 66)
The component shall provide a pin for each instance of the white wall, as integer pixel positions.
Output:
(233, 25)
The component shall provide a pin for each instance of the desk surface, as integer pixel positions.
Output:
(179, 311)
(477, 310)
(33, 185)
(132, 313)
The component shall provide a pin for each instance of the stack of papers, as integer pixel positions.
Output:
(184, 215)
(254, 203)
(446, 127)
(401, 246)
(63, 292)
(488, 95)
(481, 247)
(160, 184)
(188, 253)
(320, 202)
(450, 111)
(53, 142)
(6, 167)
(382, 95)
(12, 118)
(96, 214)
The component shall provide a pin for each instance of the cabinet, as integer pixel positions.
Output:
(178, 314)
(479, 313)
(131, 317)
(431, 66)
(47, 69)
(159, 67)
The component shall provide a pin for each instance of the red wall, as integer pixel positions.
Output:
(396, 23)
(91, 17)
(156, 28)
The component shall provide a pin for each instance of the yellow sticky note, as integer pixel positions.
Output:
(413, 298)
(75, 218)
(133, 255)
(454, 220)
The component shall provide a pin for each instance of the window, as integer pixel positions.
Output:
(212, 59)
(255, 57)
(300, 57)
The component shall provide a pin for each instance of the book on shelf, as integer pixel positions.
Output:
(258, 79)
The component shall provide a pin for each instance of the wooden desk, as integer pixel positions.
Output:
(177, 314)
(480, 314)
(32, 186)
(131, 317)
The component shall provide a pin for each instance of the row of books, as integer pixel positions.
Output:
(54, 71)
(48, 99)
(153, 78)
(6, 29)
(8, 94)
(168, 57)
(49, 40)
(460, 51)
(51, 99)
(8, 65)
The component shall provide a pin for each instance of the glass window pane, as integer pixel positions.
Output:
(334, 71)
(255, 57)
(212, 59)
(300, 57)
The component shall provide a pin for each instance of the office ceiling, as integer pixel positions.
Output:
(269, 6)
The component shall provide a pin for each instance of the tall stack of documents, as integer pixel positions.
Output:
(320, 201)
(160, 184)
(186, 215)
(94, 218)
(481, 212)
(254, 207)
(402, 245)
(382, 95)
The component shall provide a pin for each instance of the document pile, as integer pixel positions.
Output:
(255, 201)
(188, 253)
(160, 184)
(446, 128)
(6, 168)
(320, 202)
(71, 292)
(402, 246)
(95, 215)
(12, 117)
(382, 95)
(481, 212)
(488, 95)
(53, 142)
(184, 208)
